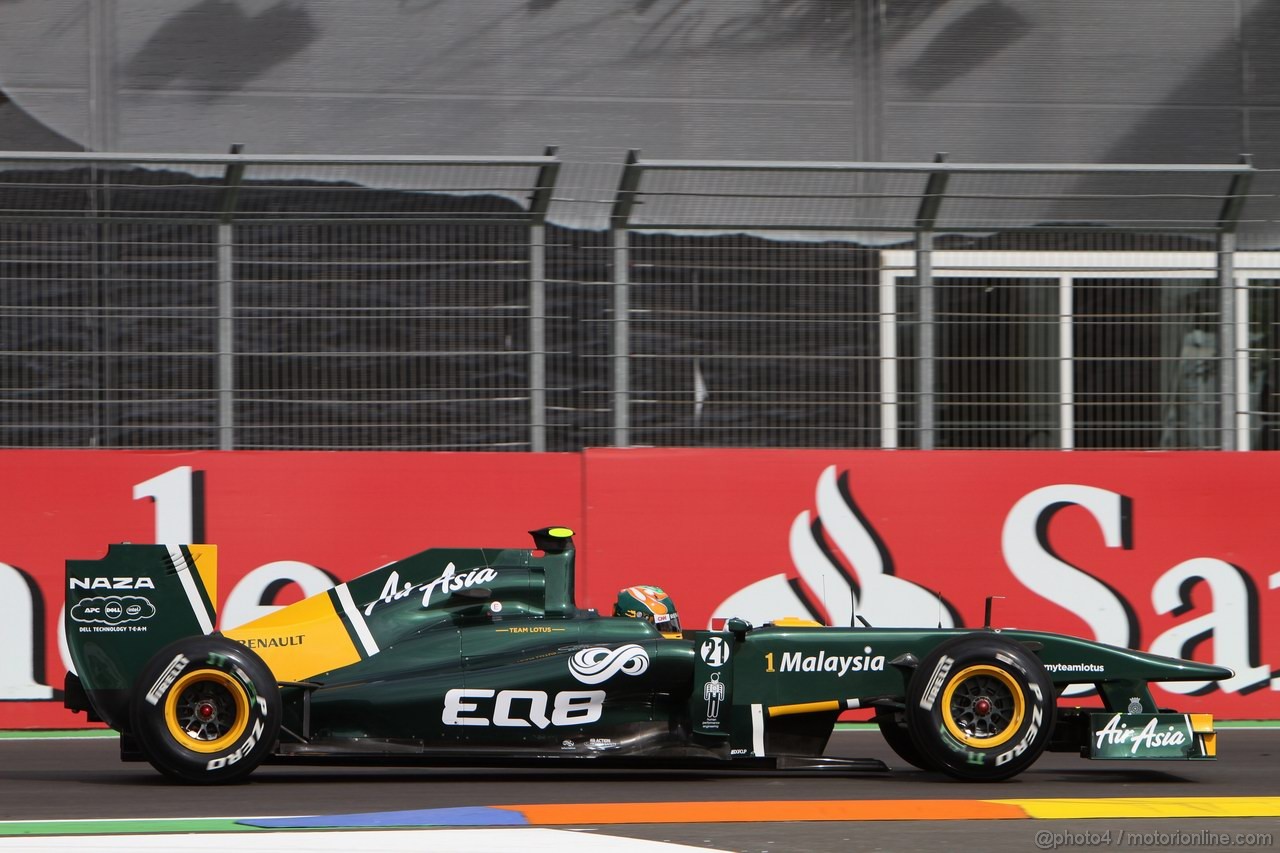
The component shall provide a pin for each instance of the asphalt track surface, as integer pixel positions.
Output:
(79, 779)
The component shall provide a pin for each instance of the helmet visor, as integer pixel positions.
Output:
(667, 623)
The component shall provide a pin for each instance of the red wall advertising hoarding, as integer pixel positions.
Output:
(1169, 552)
(308, 518)
(1176, 553)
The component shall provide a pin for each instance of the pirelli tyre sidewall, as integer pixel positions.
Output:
(980, 708)
(206, 710)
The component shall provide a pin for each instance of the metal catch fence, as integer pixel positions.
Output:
(239, 301)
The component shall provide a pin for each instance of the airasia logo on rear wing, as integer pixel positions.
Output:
(449, 581)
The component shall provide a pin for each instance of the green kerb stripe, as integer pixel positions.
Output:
(120, 827)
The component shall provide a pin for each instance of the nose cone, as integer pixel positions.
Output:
(1208, 671)
(1176, 669)
(1063, 654)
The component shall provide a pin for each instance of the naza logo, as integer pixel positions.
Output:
(112, 583)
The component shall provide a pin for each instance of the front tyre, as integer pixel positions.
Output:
(893, 729)
(980, 708)
(206, 710)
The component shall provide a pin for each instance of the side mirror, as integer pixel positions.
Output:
(738, 627)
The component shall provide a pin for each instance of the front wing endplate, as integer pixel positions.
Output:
(1151, 736)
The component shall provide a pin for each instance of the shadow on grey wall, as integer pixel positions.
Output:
(826, 26)
(538, 6)
(971, 40)
(216, 47)
(1230, 79)
(20, 132)
(841, 27)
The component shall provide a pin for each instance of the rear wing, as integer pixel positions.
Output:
(123, 608)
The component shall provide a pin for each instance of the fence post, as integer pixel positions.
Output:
(226, 303)
(1243, 391)
(538, 204)
(926, 372)
(1234, 330)
(1066, 364)
(621, 257)
(1227, 339)
(888, 358)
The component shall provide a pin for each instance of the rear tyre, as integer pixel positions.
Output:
(980, 708)
(893, 728)
(206, 710)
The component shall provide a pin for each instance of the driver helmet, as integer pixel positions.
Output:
(651, 603)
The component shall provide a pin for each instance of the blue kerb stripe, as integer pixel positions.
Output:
(460, 816)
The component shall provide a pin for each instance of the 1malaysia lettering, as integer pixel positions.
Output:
(839, 664)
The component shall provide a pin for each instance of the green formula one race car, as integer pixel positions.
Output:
(480, 656)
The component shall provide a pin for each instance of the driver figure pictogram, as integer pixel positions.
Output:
(713, 691)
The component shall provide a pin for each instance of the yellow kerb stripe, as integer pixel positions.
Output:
(1127, 807)
(568, 814)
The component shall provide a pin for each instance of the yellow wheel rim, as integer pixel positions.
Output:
(983, 706)
(207, 711)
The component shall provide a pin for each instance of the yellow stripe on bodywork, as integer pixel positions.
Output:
(795, 622)
(205, 558)
(1128, 807)
(1202, 725)
(300, 640)
(803, 708)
